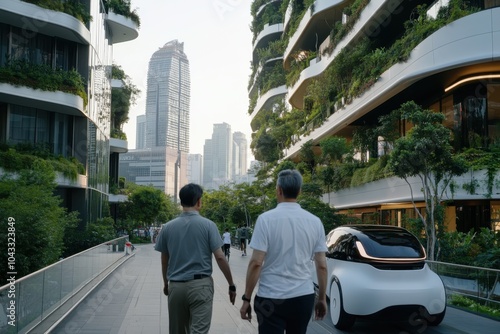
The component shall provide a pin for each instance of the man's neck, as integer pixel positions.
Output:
(189, 209)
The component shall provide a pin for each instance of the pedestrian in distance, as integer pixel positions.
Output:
(226, 239)
(243, 235)
(186, 244)
(284, 241)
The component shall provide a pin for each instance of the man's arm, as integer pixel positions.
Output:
(224, 267)
(164, 266)
(322, 272)
(253, 274)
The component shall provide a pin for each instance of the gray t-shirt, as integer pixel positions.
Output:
(189, 240)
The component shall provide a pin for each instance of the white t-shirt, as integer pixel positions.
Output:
(290, 236)
(226, 237)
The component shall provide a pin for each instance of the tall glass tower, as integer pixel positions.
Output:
(161, 160)
(167, 99)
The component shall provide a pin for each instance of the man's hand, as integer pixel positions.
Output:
(246, 311)
(165, 289)
(232, 296)
(320, 310)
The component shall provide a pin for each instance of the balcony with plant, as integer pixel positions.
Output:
(74, 8)
(357, 68)
(14, 158)
(339, 84)
(270, 14)
(273, 51)
(122, 7)
(43, 77)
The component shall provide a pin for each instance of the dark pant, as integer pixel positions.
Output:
(277, 315)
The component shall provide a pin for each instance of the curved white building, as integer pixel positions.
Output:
(454, 69)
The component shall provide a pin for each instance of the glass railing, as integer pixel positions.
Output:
(475, 289)
(29, 300)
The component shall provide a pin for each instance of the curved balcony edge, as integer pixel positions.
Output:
(396, 190)
(64, 103)
(369, 13)
(267, 99)
(112, 198)
(470, 40)
(270, 32)
(261, 8)
(319, 7)
(122, 28)
(118, 145)
(64, 182)
(253, 89)
(32, 18)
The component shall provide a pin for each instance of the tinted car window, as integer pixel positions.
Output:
(391, 244)
(339, 245)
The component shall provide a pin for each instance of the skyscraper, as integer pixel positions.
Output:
(167, 99)
(162, 161)
(140, 136)
(218, 153)
(239, 154)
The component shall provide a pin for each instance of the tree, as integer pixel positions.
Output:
(334, 151)
(216, 206)
(149, 206)
(426, 152)
(307, 156)
(39, 220)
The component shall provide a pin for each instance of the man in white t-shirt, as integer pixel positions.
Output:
(284, 242)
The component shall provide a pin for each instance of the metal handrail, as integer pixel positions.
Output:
(476, 283)
(33, 298)
(59, 262)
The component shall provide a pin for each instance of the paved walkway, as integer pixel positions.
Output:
(131, 301)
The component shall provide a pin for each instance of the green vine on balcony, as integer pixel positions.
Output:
(72, 7)
(43, 77)
(122, 7)
(24, 156)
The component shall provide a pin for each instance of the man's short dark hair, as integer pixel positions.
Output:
(190, 194)
(290, 181)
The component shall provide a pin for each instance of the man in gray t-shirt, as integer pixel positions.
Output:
(186, 244)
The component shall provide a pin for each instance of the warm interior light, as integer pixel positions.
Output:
(477, 77)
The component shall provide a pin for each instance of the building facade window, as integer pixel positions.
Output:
(40, 127)
(36, 48)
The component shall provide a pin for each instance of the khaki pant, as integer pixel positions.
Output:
(190, 306)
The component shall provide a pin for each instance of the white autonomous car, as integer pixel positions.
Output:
(380, 271)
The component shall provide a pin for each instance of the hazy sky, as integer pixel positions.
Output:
(218, 43)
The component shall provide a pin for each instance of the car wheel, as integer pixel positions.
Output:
(435, 319)
(341, 319)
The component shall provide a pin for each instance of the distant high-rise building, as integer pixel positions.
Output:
(239, 154)
(207, 164)
(166, 130)
(140, 132)
(195, 168)
(218, 157)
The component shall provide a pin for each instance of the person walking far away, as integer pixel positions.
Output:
(226, 239)
(186, 244)
(243, 235)
(285, 241)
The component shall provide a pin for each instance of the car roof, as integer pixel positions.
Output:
(385, 241)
